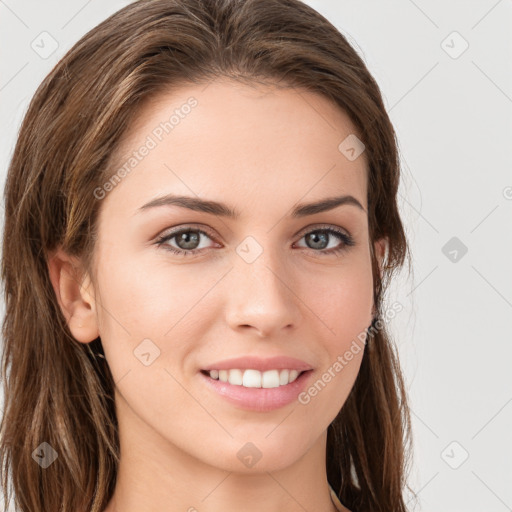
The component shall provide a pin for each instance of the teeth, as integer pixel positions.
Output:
(235, 377)
(270, 379)
(255, 378)
(252, 378)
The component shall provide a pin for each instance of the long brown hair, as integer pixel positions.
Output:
(55, 391)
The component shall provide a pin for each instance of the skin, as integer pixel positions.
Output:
(260, 150)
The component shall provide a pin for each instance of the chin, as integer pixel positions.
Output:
(262, 453)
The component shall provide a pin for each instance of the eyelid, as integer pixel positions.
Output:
(314, 227)
(186, 227)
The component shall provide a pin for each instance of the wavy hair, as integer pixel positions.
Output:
(54, 389)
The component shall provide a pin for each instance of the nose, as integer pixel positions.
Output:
(261, 296)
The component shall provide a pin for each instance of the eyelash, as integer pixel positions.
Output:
(346, 239)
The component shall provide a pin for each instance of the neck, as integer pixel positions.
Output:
(155, 475)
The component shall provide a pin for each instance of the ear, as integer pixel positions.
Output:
(381, 252)
(75, 295)
(380, 249)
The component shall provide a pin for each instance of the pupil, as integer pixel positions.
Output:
(322, 237)
(185, 237)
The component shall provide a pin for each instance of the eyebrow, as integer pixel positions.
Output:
(223, 210)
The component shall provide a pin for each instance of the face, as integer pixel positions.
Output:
(265, 282)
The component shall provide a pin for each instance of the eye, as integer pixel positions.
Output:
(318, 239)
(188, 240)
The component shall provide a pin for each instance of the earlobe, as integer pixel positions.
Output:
(74, 292)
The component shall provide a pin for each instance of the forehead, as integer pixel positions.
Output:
(228, 140)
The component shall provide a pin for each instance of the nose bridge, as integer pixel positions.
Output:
(262, 296)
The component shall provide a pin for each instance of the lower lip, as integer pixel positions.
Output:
(259, 399)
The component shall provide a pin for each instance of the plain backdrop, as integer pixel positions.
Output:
(445, 71)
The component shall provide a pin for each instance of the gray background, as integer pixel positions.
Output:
(452, 110)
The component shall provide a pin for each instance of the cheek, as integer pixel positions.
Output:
(148, 297)
(342, 307)
(341, 302)
(151, 307)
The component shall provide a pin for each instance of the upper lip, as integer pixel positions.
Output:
(261, 364)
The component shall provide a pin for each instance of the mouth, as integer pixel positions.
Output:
(255, 397)
(251, 378)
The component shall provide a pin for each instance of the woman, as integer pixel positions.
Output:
(200, 224)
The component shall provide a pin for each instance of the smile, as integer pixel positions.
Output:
(247, 391)
(251, 378)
